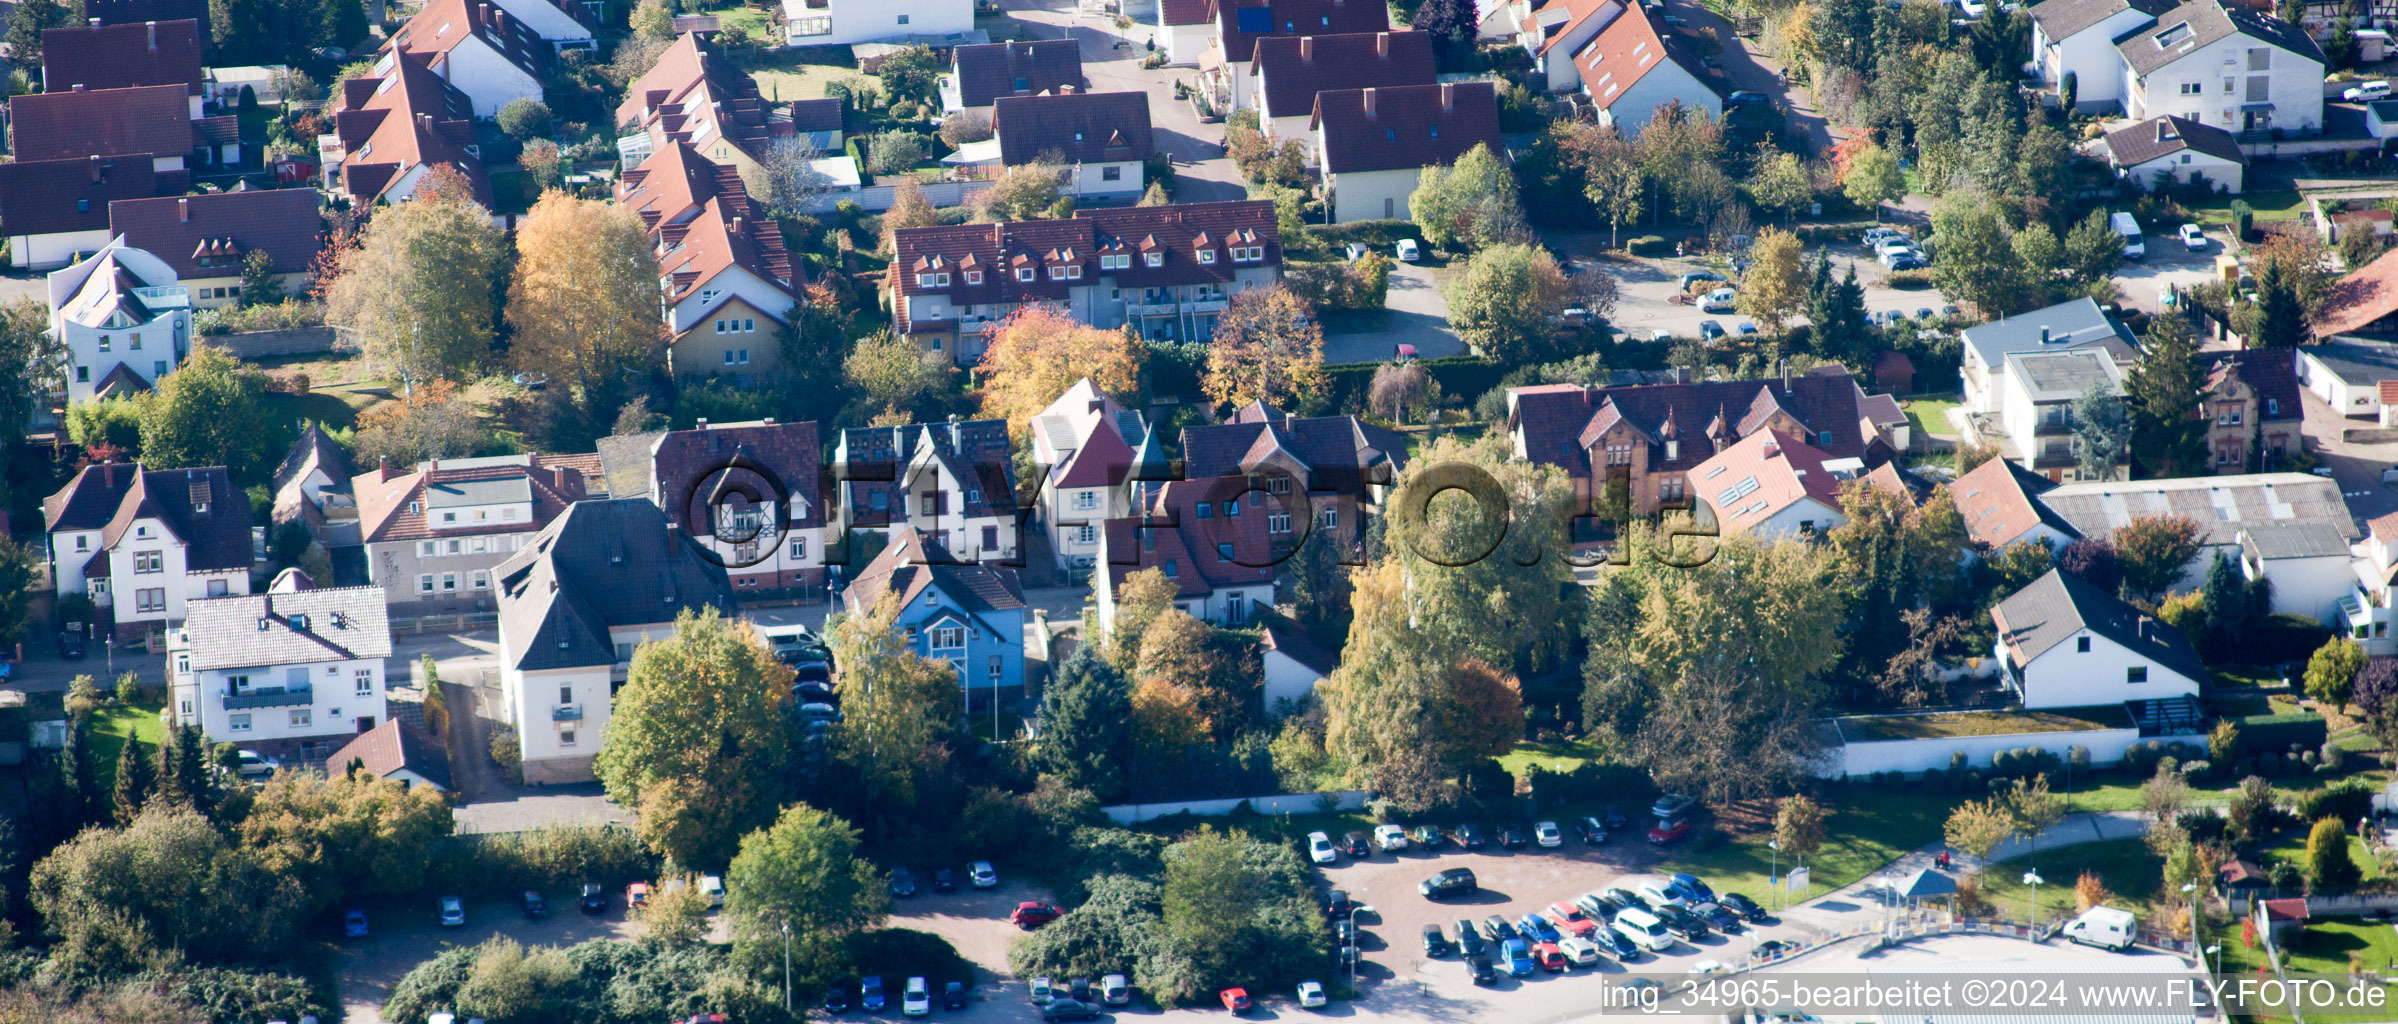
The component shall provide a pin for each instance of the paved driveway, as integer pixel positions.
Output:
(1112, 61)
(2357, 467)
(1752, 69)
(1416, 314)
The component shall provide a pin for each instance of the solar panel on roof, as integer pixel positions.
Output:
(1254, 19)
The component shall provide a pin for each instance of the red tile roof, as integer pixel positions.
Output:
(388, 125)
(180, 229)
(384, 494)
(822, 115)
(44, 197)
(987, 71)
(1081, 127)
(1178, 233)
(1293, 69)
(1185, 12)
(1759, 476)
(1405, 127)
(1557, 424)
(153, 119)
(694, 93)
(1999, 502)
(1625, 52)
(2367, 294)
(1193, 550)
(439, 26)
(727, 231)
(392, 747)
(122, 56)
(1241, 23)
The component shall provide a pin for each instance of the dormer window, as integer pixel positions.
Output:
(300, 622)
(1154, 259)
(932, 280)
(1025, 274)
(1172, 570)
(974, 277)
(1207, 255)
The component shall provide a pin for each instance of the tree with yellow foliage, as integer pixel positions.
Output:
(584, 300)
(1039, 351)
(1268, 348)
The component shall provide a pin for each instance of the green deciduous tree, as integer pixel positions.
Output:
(2034, 810)
(1268, 348)
(26, 23)
(2101, 432)
(1799, 826)
(1873, 178)
(2330, 869)
(911, 73)
(804, 872)
(2331, 672)
(1236, 907)
(2154, 550)
(1977, 827)
(1775, 287)
(524, 118)
(167, 880)
(206, 413)
(894, 373)
(416, 294)
(1780, 183)
(20, 567)
(1140, 599)
(1973, 260)
(900, 710)
(1611, 177)
(697, 741)
(1469, 204)
(1507, 301)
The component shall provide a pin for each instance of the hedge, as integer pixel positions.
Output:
(1648, 245)
(2284, 637)
(2275, 733)
(1461, 376)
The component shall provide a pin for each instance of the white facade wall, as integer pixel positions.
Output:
(2067, 677)
(2363, 399)
(844, 22)
(1090, 180)
(1370, 195)
(341, 693)
(553, 25)
(1287, 680)
(2106, 747)
(150, 348)
(1075, 516)
(766, 295)
(2090, 54)
(170, 588)
(2187, 165)
(2311, 587)
(1184, 43)
(2219, 74)
(487, 77)
(49, 252)
(540, 733)
(1217, 606)
(1800, 518)
(1665, 83)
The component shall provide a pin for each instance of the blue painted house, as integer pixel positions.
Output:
(970, 615)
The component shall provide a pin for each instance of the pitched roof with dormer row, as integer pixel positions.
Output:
(687, 466)
(78, 123)
(1626, 51)
(122, 56)
(978, 263)
(1241, 23)
(695, 94)
(1342, 453)
(441, 25)
(987, 71)
(210, 235)
(601, 565)
(397, 505)
(2197, 24)
(1079, 127)
(703, 222)
(1407, 126)
(1559, 423)
(1293, 69)
(200, 506)
(1230, 546)
(406, 116)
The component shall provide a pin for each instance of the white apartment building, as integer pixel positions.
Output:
(122, 320)
(144, 544)
(293, 672)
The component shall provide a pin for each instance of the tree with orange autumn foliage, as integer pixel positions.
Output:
(1039, 351)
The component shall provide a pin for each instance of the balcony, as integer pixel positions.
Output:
(270, 697)
(1204, 306)
(1152, 308)
(169, 297)
(567, 713)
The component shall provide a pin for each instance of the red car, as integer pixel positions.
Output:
(1236, 1000)
(1549, 957)
(1668, 833)
(1571, 920)
(1032, 914)
(636, 895)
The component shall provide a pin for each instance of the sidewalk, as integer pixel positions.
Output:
(1866, 898)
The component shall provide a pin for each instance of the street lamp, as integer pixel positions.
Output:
(786, 967)
(1773, 876)
(1353, 912)
(2031, 904)
(2190, 890)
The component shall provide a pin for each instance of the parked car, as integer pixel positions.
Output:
(1032, 914)
(1614, 817)
(1391, 838)
(953, 995)
(1355, 251)
(1311, 995)
(1319, 849)
(1546, 834)
(453, 912)
(1582, 952)
(1518, 955)
(1743, 906)
(595, 898)
(1683, 923)
(1597, 907)
(1745, 97)
(535, 907)
(1469, 941)
(1570, 919)
(1337, 902)
(1623, 899)
(982, 875)
(870, 994)
(1426, 836)
(917, 999)
(1656, 895)
(1590, 830)
(1080, 990)
(353, 924)
(1771, 949)
(1670, 832)
(1537, 928)
(1644, 928)
(1720, 917)
(903, 882)
(712, 886)
(836, 998)
(1436, 941)
(1115, 990)
(1549, 957)
(1041, 991)
(1616, 944)
(1471, 836)
(1409, 251)
(1448, 882)
(1356, 845)
(636, 896)
(1068, 1009)
(1478, 968)
(1511, 837)
(1718, 301)
(1697, 276)
(1496, 929)
(1235, 999)
(1692, 889)
(249, 765)
(71, 641)
(2193, 238)
(2366, 92)
(1710, 330)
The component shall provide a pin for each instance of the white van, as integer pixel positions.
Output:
(1717, 301)
(1643, 928)
(2134, 247)
(2104, 927)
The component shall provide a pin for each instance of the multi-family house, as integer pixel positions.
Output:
(2251, 408)
(1092, 451)
(315, 473)
(478, 48)
(144, 544)
(601, 579)
(295, 672)
(2036, 419)
(2075, 40)
(981, 73)
(2364, 614)
(1216, 548)
(1291, 70)
(563, 24)
(52, 211)
(699, 96)
(953, 481)
(435, 533)
(1373, 144)
(393, 128)
(1324, 475)
(125, 56)
(2064, 643)
(726, 282)
(1651, 437)
(751, 494)
(1184, 30)
(121, 321)
(1100, 138)
(1772, 485)
(2225, 66)
(2065, 327)
(1631, 72)
(848, 22)
(2168, 148)
(154, 121)
(2000, 504)
(1554, 32)
(1163, 271)
(207, 239)
(1224, 74)
(952, 607)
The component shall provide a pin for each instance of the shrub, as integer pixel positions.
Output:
(2346, 800)
(2269, 764)
(1907, 279)
(505, 753)
(1649, 245)
(2198, 771)
(2260, 733)
(2334, 758)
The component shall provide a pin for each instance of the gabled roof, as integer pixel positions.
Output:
(2271, 372)
(1201, 556)
(2220, 505)
(2066, 325)
(1293, 69)
(1241, 23)
(819, 115)
(2365, 295)
(441, 25)
(2197, 24)
(44, 197)
(788, 451)
(987, 71)
(551, 483)
(602, 565)
(2000, 502)
(1406, 126)
(393, 747)
(701, 217)
(287, 628)
(121, 56)
(1759, 476)
(1088, 438)
(314, 452)
(150, 119)
(199, 506)
(1081, 127)
(1176, 232)
(1558, 424)
(912, 564)
(974, 456)
(180, 229)
(1575, 13)
(696, 94)
(1626, 51)
(2062, 19)
(2161, 137)
(1279, 634)
(2055, 607)
(1341, 453)
(407, 116)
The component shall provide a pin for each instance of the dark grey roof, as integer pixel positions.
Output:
(2293, 540)
(199, 505)
(2160, 137)
(2222, 506)
(2063, 376)
(2068, 325)
(599, 565)
(912, 563)
(458, 493)
(2062, 19)
(2356, 362)
(259, 630)
(2195, 25)
(395, 746)
(2055, 607)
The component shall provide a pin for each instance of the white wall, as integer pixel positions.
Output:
(1090, 179)
(1371, 195)
(333, 709)
(2184, 166)
(864, 21)
(766, 295)
(2106, 747)
(2295, 86)
(1295, 803)
(1665, 83)
(559, 28)
(1184, 43)
(2307, 586)
(44, 252)
(1286, 679)
(1066, 521)
(2065, 677)
(2091, 55)
(487, 77)
(2347, 399)
(1790, 521)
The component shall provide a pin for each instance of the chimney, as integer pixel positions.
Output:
(153, 35)
(1773, 450)
(1785, 373)
(183, 209)
(79, 87)
(96, 175)
(1382, 44)
(736, 226)
(702, 424)
(999, 234)
(1307, 47)
(2044, 334)
(1448, 97)
(95, 22)
(1370, 102)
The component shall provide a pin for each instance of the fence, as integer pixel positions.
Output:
(2358, 905)
(429, 623)
(876, 199)
(1286, 803)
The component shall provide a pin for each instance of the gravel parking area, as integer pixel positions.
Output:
(404, 935)
(975, 921)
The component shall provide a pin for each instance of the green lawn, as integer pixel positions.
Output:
(1867, 829)
(2324, 949)
(1981, 723)
(2215, 211)
(110, 727)
(1929, 415)
(1564, 756)
(2129, 870)
(2292, 848)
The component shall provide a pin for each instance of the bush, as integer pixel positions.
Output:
(2197, 772)
(2268, 764)
(2273, 733)
(551, 858)
(1649, 245)
(2334, 758)
(2346, 800)
(506, 754)
(2283, 637)
(1908, 279)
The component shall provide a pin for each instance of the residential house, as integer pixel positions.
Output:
(2074, 41)
(1224, 75)
(207, 239)
(2169, 148)
(2064, 327)
(313, 475)
(1185, 30)
(2064, 643)
(1292, 662)
(478, 48)
(726, 283)
(2347, 373)
(1102, 138)
(2359, 306)
(1772, 485)
(1373, 144)
(397, 751)
(2222, 506)
(2364, 614)
(224, 86)
(52, 211)
(697, 95)
(392, 129)
(952, 608)
(436, 534)
(2000, 504)
(2036, 419)
(981, 73)
(145, 120)
(1222, 562)
(1631, 72)
(953, 481)
(2308, 564)
(121, 321)
(1092, 451)
(1163, 271)
(136, 12)
(564, 24)
(749, 494)
(849, 22)
(1651, 437)
(1303, 476)
(1291, 70)
(2226, 66)
(2252, 409)
(99, 56)
(295, 672)
(1556, 30)
(600, 579)
(818, 123)
(144, 544)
